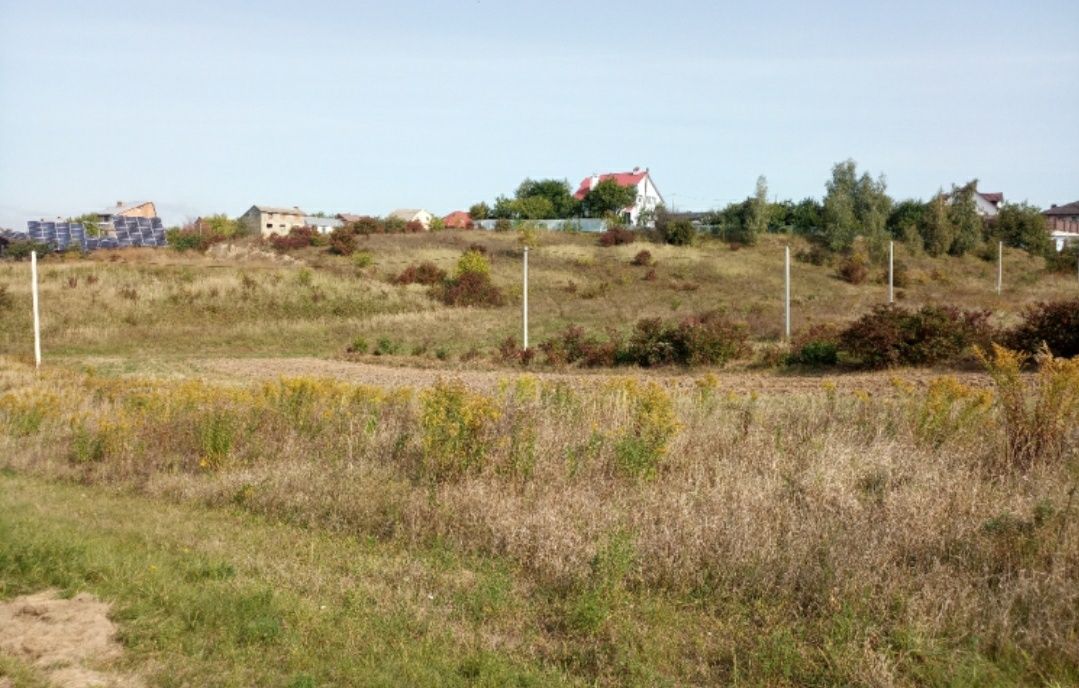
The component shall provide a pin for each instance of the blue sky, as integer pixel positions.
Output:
(368, 106)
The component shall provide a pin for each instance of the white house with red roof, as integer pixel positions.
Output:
(648, 196)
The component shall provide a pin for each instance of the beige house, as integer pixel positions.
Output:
(132, 209)
(413, 215)
(267, 220)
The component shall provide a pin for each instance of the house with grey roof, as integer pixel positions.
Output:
(267, 220)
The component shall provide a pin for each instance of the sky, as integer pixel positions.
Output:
(363, 107)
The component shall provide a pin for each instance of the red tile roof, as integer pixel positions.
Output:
(458, 219)
(623, 179)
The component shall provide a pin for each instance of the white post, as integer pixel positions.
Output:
(787, 292)
(1000, 266)
(37, 314)
(524, 303)
(891, 272)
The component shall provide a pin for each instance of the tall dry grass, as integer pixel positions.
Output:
(904, 513)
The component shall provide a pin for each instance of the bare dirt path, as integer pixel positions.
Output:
(388, 375)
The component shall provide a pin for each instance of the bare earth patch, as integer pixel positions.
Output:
(63, 638)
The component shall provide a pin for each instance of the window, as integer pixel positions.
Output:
(269, 225)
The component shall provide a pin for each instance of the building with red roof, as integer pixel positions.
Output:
(648, 196)
(458, 219)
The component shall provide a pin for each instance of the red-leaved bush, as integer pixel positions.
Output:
(424, 273)
(892, 335)
(616, 236)
(297, 237)
(1055, 323)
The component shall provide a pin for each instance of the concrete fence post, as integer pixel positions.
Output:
(1000, 267)
(524, 301)
(787, 292)
(891, 272)
(37, 311)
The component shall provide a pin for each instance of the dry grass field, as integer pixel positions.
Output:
(145, 304)
(259, 507)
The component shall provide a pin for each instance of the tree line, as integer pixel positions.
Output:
(553, 199)
(858, 205)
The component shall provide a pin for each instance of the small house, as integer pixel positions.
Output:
(267, 220)
(648, 197)
(413, 215)
(458, 219)
(145, 209)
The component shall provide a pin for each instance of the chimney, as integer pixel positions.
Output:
(636, 170)
(119, 204)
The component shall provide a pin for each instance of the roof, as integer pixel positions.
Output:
(623, 178)
(318, 221)
(407, 214)
(279, 211)
(1066, 209)
(348, 217)
(122, 207)
(993, 197)
(457, 219)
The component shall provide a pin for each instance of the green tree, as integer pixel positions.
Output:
(608, 196)
(905, 215)
(479, 211)
(936, 226)
(89, 223)
(673, 230)
(840, 219)
(756, 219)
(532, 208)
(966, 223)
(807, 217)
(1022, 226)
(871, 208)
(503, 209)
(556, 191)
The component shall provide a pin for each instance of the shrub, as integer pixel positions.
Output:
(503, 225)
(573, 346)
(477, 248)
(471, 289)
(707, 339)
(676, 232)
(297, 237)
(457, 434)
(816, 346)
(1066, 260)
(472, 262)
(854, 269)
(1054, 324)
(892, 335)
(510, 352)
(363, 259)
(640, 450)
(617, 236)
(368, 225)
(643, 258)
(343, 241)
(650, 276)
(386, 347)
(816, 255)
(528, 236)
(413, 227)
(358, 346)
(21, 250)
(424, 273)
(1040, 417)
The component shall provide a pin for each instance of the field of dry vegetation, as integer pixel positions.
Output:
(611, 528)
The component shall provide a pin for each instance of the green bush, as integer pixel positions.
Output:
(816, 347)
